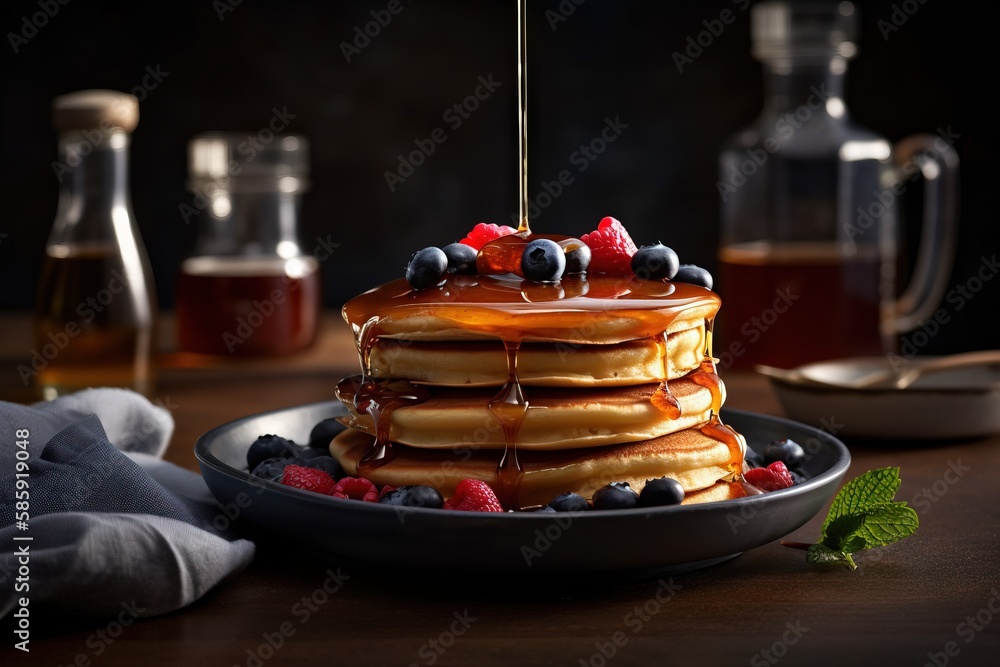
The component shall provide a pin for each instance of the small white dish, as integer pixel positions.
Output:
(950, 404)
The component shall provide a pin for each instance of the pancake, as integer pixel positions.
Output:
(693, 459)
(715, 493)
(557, 417)
(484, 363)
(600, 309)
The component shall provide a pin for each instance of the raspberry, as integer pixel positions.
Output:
(612, 248)
(355, 488)
(782, 473)
(473, 495)
(485, 232)
(771, 478)
(385, 490)
(309, 479)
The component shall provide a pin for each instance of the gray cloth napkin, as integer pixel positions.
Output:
(112, 526)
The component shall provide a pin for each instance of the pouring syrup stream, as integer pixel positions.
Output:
(523, 227)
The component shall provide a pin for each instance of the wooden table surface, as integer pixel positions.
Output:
(908, 604)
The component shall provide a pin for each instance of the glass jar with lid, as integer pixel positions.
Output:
(248, 289)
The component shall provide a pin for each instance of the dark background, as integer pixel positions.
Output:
(607, 59)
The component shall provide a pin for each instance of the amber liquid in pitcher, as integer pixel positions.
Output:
(88, 331)
(793, 303)
(238, 306)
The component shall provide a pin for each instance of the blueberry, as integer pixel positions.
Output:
(546, 510)
(615, 496)
(271, 469)
(394, 497)
(787, 451)
(577, 257)
(461, 258)
(753, 459)
(655, 262)
(426, 268)
(307, 453)
(662, 491)
(327, 464)
(323, 432)
(269, 447)
(569, 502)
(797, 477)
(543, 260)
(413, 496)
(693, 275)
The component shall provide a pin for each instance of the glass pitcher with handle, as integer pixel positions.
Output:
(811, 204)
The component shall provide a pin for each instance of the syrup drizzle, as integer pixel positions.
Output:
(663, 399)
(378, 398)
(707, 376)
(509, 407)
(523, 227)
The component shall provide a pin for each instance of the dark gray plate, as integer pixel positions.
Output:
(666, 539)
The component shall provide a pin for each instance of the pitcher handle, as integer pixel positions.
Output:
(937, 161)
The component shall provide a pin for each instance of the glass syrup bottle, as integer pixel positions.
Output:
(95, 308)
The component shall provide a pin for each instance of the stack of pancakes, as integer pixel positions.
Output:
(610, 379)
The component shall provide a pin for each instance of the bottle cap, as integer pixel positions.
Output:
(95, 109)
(804, 30)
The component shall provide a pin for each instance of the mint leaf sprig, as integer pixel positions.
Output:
(863, 516)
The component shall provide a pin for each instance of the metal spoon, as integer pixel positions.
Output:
(886, 378)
